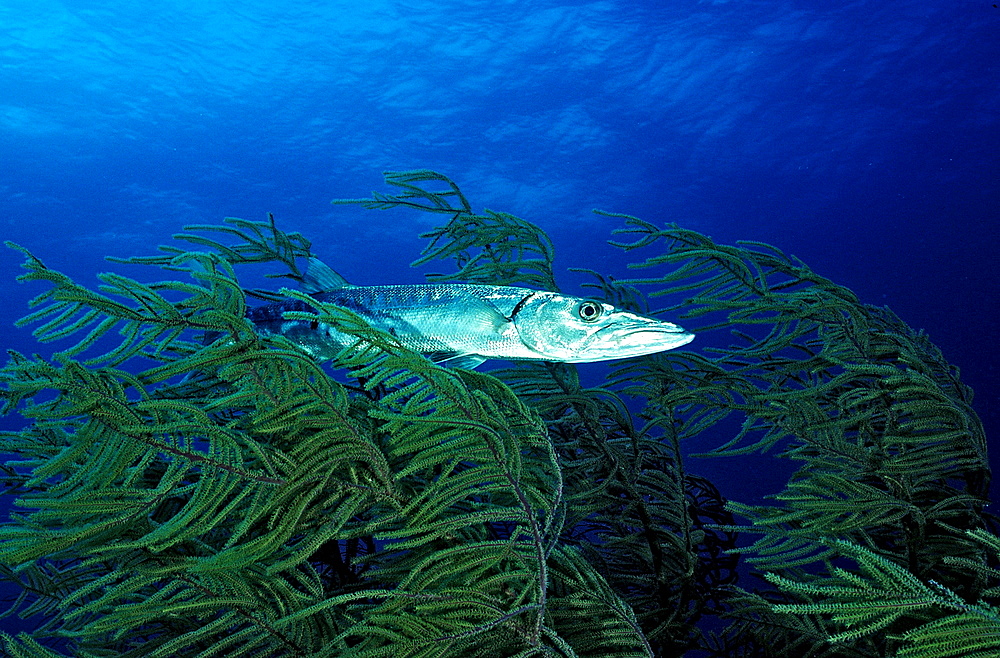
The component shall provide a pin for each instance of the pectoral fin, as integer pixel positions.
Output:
(456, 360)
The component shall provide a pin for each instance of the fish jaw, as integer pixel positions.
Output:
(631, 337)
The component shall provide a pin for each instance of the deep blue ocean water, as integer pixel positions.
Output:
(862, 137)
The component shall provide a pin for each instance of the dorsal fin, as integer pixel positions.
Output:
(320, 277)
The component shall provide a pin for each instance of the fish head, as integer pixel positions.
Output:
(576, 330)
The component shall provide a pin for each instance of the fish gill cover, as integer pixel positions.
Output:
(178, 498)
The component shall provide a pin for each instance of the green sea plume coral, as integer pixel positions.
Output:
(178, 498)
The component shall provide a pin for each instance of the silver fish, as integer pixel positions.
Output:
(465, 324)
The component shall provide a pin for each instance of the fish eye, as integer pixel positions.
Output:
(589, 311)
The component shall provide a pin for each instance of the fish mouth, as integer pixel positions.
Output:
(639, 339)
(674, 335)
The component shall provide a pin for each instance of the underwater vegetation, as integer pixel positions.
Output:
(178, 496)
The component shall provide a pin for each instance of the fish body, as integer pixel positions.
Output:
(466, 324)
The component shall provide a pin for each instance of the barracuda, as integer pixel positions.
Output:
(465, 324)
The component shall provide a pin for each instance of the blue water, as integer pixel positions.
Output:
(863, 137)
